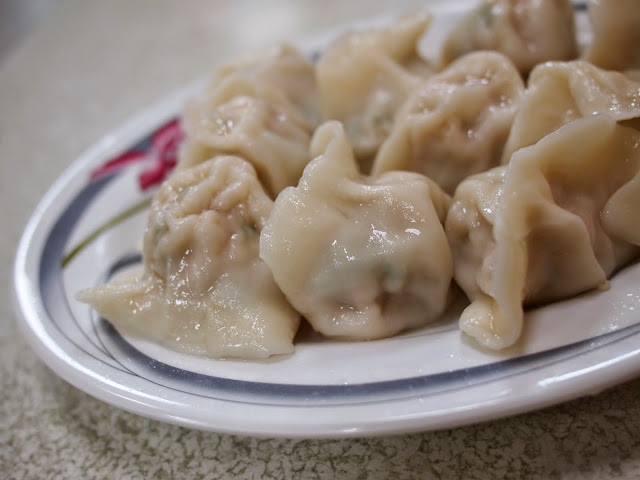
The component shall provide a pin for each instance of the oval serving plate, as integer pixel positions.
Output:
(88, 227)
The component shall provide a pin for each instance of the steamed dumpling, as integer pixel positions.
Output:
(616, 34)
(363, 77)
(283, 67)
(204, 289)
(561, 92)
(457, 122)
(245, 118)
(529, 32)
(556, 222)
(360, 257)
(256, 108)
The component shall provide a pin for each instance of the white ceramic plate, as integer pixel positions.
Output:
(426, 379)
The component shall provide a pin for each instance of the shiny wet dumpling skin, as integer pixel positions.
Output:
(560, 92)
(456, 122)
(616, 34)
(263, 108)
(204, 288)
(364, 76)
(360, 257)
(283, 67)
(556, 222)
(529, 32)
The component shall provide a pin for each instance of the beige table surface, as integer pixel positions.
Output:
(84, 70)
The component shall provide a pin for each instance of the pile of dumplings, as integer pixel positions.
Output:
(363, 191)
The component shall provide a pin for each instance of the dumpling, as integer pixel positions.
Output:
(256, 108)
(561, 92)
(283, 67)
(557, 221)
(363, 77)
(616, 34)
(360, 257)
(204, 289)
(527, 31)
(254, 121)
(457, 122)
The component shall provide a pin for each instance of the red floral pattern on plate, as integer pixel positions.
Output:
(160, 157)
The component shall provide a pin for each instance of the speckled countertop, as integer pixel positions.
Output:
(81, 72)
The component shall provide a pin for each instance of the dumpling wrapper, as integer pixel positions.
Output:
(633, 74)
(455, 123)
(529, 32)
(616, 34)
(360, 257)
(204, 290)
(560, 92)
(363, 78)
(282, 67)
(556, 222)
(256, 108)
